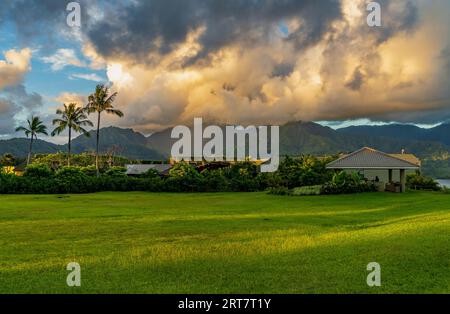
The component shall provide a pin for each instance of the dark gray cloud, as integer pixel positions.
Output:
(357, 80)
(283, 69)
(445, 55)
(40, 21)
(438, 115)
(396, 17)
(23, 99)
(16, 100)
(158, 25)
(7, 112)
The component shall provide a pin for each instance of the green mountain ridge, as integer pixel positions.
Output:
(295, 138)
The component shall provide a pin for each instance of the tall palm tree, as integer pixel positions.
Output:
(98, 102)
(35, 127)
(73, 118)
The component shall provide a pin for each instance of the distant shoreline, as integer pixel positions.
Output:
(444, 182)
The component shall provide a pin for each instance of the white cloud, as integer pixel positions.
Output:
(63, 58)
(89, 77)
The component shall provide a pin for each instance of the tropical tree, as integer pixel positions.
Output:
(8, 160)
(73, 118)
(98, 102)
(35, 127)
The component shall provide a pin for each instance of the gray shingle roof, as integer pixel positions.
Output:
(141, 169)
(368, 158)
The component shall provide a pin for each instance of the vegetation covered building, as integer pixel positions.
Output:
(375, 164)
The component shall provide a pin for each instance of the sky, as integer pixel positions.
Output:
(261, 62)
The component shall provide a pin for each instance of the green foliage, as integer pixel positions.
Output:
(116, 172)
(309, 172)
(151, 173)
(183, 170)
(306, 190)
(72, 180)
(38, 171)
(279, 190)
(35, 126)
(215, 180)
(55, 161)
(445, 190)
(304, 171)
(242, 177)
(418, 182)
(8, 160)
(345, 183)
(183, 177)
(89, 170)
(438, 168)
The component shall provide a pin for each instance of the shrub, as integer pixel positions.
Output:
(307, 190)
(183, 177)
(151, 173)
(72, 180)
(419, 182)
(242, 177)
(280, 190)
(151, 184)
(445, 190)
(304, 171)
(116, 172)
(38, 171)
(344, 183)
(89, 170)
(214, 181)
(8, 160)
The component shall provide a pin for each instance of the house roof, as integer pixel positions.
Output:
(369, 158)
(141, 169)
(408, 157)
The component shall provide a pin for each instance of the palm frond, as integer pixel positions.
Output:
(115, 112)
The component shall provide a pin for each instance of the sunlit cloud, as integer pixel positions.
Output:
(63, 58)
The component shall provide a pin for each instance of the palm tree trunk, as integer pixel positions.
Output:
(98, 140)
(69, 146)
(30, 150)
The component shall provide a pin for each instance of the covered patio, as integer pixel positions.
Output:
(380, 165)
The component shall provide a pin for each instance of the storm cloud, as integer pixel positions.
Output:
(158, 26)
(260, 61)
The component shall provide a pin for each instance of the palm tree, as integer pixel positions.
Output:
(35, 127)
(73, 118)
(98, 102)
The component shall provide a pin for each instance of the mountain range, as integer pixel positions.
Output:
(295, 138)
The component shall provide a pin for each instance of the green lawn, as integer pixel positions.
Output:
(225, 243)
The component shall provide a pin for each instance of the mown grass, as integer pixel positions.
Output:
(225, 243)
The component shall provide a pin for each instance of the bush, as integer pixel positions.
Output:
(280, 190)
(151, 184)
(116, 172)
(73, 180)
(304, 171)
(445, 190)
(89, 170)
(215, 181)
(307, 190)
(419, 182)
(183, 177)
(151, 173)
(38, 171)
(344, 183)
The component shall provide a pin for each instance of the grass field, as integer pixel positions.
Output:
(225, 243)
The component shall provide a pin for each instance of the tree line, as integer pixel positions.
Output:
(74, 118)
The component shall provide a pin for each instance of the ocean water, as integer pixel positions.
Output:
(443, 182)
